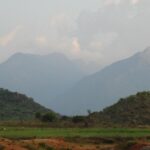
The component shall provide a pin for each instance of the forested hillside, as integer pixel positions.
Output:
(133, 110)
(15, 106)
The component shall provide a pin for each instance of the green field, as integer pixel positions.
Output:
(19, 132)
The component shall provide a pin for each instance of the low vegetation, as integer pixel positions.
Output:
(133, 111)
(119, 126)
(25, 133)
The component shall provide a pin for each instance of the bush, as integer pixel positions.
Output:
(78, 119)
(38, 115)
(48, 117)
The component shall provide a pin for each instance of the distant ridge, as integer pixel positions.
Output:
(42, 77)
(103, 88)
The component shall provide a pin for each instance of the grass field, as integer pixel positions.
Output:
(20, 132)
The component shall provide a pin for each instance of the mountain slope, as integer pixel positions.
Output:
(41, 77)
(133, 110)
(15, 106)
(106, 86)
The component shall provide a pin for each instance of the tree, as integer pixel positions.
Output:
(89, 112)
(38, 115)
(49, 117)
(78, 119)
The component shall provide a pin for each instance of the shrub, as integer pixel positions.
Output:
(49, 117)
(78, 119)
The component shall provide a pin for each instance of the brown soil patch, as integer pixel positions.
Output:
(57, 144)
(139, 146)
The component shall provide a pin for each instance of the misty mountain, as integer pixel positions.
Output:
(106, 86)
(41, 77)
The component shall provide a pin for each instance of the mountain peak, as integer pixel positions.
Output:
(27, 57)
(20, 54)
(146, 51)
(145, 55)
(20, 57)
(42, 77)
(58, 56)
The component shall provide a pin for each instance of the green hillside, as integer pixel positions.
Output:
(133, 110)
(15, 106)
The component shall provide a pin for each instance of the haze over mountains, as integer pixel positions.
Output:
(108, 85)
(58, 83)
(41, 77)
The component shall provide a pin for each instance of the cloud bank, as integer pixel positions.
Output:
(118, 29)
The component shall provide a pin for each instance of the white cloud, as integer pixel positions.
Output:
(76, 49)
(116, 30)
(134, 2)
(110, 2)
(41, 41)
(118, 2)
(9, 37)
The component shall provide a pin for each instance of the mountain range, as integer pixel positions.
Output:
(59, 83)
(106, 86)
(40, 77)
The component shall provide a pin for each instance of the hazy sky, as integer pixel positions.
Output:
(99, 31)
